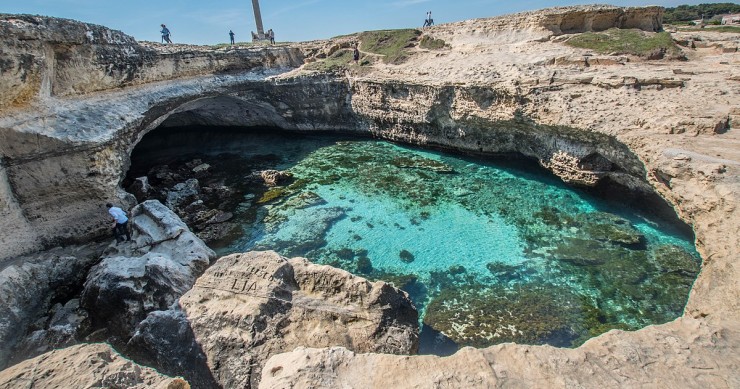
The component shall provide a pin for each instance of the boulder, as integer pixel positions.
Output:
(85, 366)
(140, 188)
(248, 307)
(275, 177)
(30, 284)
(64, 325)
(146, 275)
(183, 193)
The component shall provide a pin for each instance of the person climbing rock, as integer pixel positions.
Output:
(165, 34)
(231, 36)
(120, 223)
(356, 54)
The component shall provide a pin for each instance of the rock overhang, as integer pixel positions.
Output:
(704, 195)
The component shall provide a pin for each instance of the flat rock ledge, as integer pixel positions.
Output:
(150, 273)
(248, 307)
(85, 366)
(686, 353)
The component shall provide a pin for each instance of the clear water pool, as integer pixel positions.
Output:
(490, 252)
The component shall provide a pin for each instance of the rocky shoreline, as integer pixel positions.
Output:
(503, 85)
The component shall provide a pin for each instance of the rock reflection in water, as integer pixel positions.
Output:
(490, 252)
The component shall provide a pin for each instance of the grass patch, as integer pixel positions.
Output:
(621, 41)
(392, 44)
(338, 61)
(729, 29)
(430, 43)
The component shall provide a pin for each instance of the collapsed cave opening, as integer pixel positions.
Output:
(247, 188)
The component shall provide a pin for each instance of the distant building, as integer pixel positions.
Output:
(731, 19)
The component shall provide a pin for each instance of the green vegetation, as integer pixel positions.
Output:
(621, 41)
(728, 29)
(338, 61)
(392, 44)
(271, 194)
(684, 13)
(430, 43)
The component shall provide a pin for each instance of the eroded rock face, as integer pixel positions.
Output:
(45, 56)
(28, 287)
(248, 307)
(147, 274)
(499, 88)
(85, 366)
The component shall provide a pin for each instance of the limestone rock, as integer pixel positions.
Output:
(28, 287)
(66, 324)
(146, 275)
(248, 307)
(140, 188)
(275, 177)
(496, 90)
(85, 366)
(664, 353)
(182, 194)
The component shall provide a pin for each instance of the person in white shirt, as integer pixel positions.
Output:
(120, 223)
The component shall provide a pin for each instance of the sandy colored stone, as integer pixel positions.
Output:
(93, 365)
(496, 89)
(683, 354)
(248, 307)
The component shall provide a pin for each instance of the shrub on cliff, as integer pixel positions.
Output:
(391, 44)
(684, 13)
(620, 41)
(430, 43)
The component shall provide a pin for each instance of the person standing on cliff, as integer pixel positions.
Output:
(120, 223)
(165, 34)
(271, 35)
(231, 36)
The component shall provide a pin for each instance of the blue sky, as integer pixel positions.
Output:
(208, 22)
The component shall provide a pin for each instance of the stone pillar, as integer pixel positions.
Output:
(258, 19)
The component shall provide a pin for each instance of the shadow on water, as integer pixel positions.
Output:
(276, 147)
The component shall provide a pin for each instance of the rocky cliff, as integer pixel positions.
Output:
(499, 85)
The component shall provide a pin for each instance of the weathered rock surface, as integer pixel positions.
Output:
(498, 88)
(49, 56)
(145, 275)
(275, 177)
(682, 354)
(248, 307)
(85, 366)
(29, 286)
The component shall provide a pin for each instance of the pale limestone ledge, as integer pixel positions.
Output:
(678, 118)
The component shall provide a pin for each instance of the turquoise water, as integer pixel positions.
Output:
(489, 251)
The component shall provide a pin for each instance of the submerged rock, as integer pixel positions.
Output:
(147, 274)
(248, 307)
(533, 314)
(275, 177)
